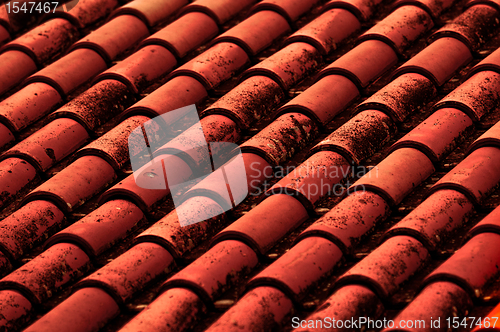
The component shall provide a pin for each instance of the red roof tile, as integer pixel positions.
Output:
(388, 182)
(219, 10)
(347, 302)
(388, 266)
(363, 64)
(472, 27)
(58, 35)
(440, 299)
(276, 222)
(27, 226)
(433, 220)
(438, 135)
(472, 266)
(435, 65)
(475, 176)
(89, 174)
(16, 66)
(201, 28)
(97, 231)
(178, 306)
(266, 307)
(88, 310)
(400, 28)
(56, 266)
(363, 10)
(230, 260)
(214, 66)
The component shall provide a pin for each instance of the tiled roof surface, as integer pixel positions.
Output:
(384, 115)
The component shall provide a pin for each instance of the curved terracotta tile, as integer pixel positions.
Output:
(363, 64)
(143, 197)
(266, 224)
(475, 176)
(400, 28)
(363, 9)
(491, 62)
(214, 271)
(436, 217)
(95, 106)
(434, 8)
(348, 222)
(100, 229)
(289, 9)
(50, 144)
(150, 12)
(5, 266)
(47, 272)
(288, 66)
(437, 135)
(130, 272)
(87, 12)
(6, 136)
(256, 32)
(279, 141)
(401, 97)
(4, 34)
(315, 178)
(248, 102)
(476, 96)
(87, 309)
(349, 303)
(388, 266)
(490, 138)
(328, 30)
(15, 309)
(184, 34)
(438, 300)
(113, 146)
(15, 66)
(299, 268)
(28, 226)
(323, 100)
(472, 267)
(142, 68)
(220, 10)
(259, 310)
(28, 105)
(231, 180)
(216, 128)
(71, 71)
(388, 180)
(178, 240)
(473, 27)
(360, 137)
(219, 63)
(46, 41)
(15, 176)
(106, 42)
(181, 91)
(436, 65)
(75, 184)
(490, 223)
(180, 307)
